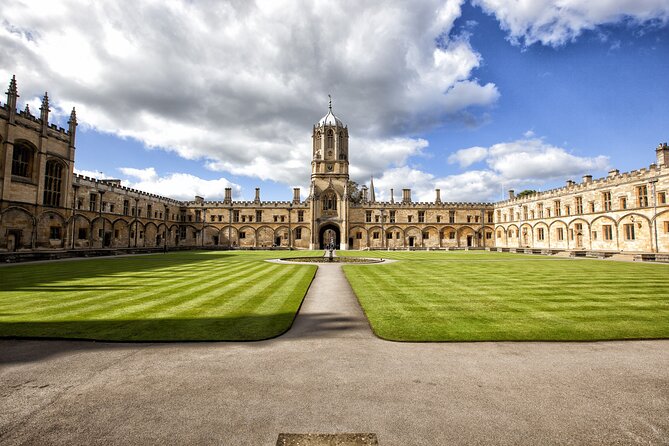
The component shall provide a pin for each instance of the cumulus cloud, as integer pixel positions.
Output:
(92, 173)
(533, 159)
(181, 186)
(527, 162)
(555, 23)
(467, 157)
(237, 84)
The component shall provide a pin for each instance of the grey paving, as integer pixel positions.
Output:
(329, 374)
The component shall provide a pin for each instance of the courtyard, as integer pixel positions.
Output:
(423, 296)
(329, 373)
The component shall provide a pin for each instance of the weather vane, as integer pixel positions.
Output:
(330, 105)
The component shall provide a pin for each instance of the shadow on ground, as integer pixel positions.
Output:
(24, 277)
(34, 341)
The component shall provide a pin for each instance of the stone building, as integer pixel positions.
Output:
(45, 207)
(621, 212)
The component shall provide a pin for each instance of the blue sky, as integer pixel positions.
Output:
(472, 97)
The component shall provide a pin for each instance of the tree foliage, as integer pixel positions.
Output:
(526, 193)
(354, 192)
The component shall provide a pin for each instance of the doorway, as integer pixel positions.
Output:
(329, 234)
(13, 239)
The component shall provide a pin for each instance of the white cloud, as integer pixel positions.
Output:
(467, 157)
(92, 174)
(528, 162)
(533, 159)
(238, 84)
(180, 186)
(555, 23)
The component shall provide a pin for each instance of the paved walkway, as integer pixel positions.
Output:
(330, 309)
(329, 374)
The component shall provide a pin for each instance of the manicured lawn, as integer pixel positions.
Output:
(481, 296)
(177, 296)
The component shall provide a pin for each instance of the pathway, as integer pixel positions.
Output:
(330, 308)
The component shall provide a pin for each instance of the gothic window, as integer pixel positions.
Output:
(53, 180)
(54, 232)
(22, 160)
(629, 231)
(330, 201)
(330, 142)
(606, 198)
(92, 202)
(642, 196)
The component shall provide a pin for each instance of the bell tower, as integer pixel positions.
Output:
(330, 148)
(329, 182)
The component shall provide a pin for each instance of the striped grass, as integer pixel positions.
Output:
(489, 296)
(179, 296)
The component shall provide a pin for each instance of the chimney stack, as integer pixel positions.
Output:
(365, 196)
(257, 198)
(587, 179)
(438, 197)
(392, 195)
(613, 173)
(512, 194)
(296, 195)
(228, 195)
(662, 153)
(406, 195)
(570, 183)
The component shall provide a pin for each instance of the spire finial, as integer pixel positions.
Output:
(45, 102)
(330, 103)
(12, 86)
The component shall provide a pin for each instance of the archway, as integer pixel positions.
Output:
(327, 234)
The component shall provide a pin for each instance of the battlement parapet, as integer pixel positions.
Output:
(115, 186)
(613, 179)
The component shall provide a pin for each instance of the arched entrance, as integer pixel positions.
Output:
(327, 234)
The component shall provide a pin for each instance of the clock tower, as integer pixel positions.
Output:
(329, 183)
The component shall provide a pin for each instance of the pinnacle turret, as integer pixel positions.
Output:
(73, 126)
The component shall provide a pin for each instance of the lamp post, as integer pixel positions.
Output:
(383, 232)
(652, 186)
(204, 222)
(74, 213)
(102, 242)
(136, 208)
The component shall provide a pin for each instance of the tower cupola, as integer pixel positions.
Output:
(330, 146)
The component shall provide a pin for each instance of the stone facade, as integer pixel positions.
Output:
(621, 212)
(44, 206)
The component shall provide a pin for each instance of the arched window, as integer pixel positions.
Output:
(22, 160)
(330, 139)
(53, 180)
(330, 202)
